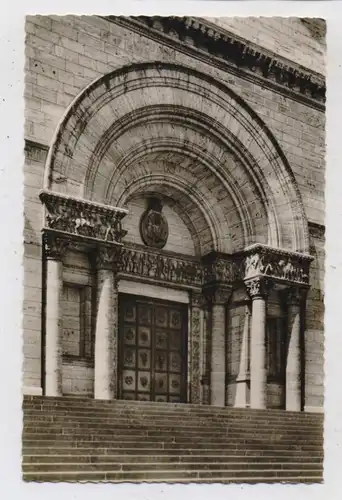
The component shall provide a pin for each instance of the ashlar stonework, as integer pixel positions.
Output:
(174, 181)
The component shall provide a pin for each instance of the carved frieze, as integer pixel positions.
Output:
(216, 272)
(261, 260)
(160, 267)
(224, 270)
(83, 218)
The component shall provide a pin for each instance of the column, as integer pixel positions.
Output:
(243, 375)
(54, 248)
(257, 290)
(219, 298)
(206, 354)
(195, 347)
(105, 373)
(293, 364)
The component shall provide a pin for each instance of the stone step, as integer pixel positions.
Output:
(74, 439)
(166, 436)
(119, 404)
(166, 444)
(263, 421)
(69, 419)
(93, 457)
(246, 476)
(184, 467)
(141, 406)
(164, 432)
(167, 452)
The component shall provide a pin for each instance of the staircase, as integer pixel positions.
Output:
(73, 439)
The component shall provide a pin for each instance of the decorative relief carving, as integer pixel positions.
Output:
(195, 355)
(257, 287)
(215, 273)
(222, 270)
(55, 247)
(198, 299)
(83, 218)
(289, 267)
(154, 228)
(108, 258)
(164, 268)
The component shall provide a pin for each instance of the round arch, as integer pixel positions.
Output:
(130, 125)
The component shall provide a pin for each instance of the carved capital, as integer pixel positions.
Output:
(198, 299)
(224, 270)
(108, 258)
(55, 247)
(218, 295)
(257, 288)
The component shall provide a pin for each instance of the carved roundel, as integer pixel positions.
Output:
(154, 228)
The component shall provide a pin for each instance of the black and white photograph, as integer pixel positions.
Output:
(174, 249)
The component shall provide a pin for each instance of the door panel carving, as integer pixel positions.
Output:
(153, 350)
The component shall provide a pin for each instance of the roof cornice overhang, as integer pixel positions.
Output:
(218, 47)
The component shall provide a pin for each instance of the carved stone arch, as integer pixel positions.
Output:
(259, 162)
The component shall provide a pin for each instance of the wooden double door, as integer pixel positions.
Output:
(152, 349)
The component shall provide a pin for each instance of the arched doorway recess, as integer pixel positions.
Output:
(172, 135)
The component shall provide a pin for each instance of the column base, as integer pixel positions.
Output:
(241, 393)
(32, 391)
(314, 409)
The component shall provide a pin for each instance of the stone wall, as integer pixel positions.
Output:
(65, 54)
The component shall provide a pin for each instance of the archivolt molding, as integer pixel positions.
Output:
(86, 123)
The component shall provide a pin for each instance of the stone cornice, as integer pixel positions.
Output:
(206, 41)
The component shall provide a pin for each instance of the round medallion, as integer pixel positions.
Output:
(154, 228)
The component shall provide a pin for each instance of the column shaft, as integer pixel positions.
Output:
(54, 325)
(105, 336)
(258, 354)
(218, 358)
(241, 380)
(293, 368)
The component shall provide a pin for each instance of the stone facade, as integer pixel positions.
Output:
(227, 132)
